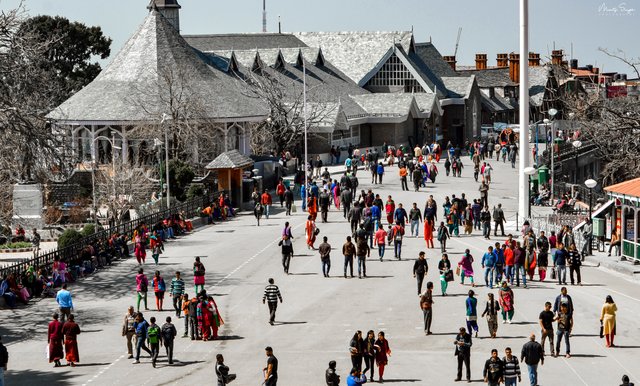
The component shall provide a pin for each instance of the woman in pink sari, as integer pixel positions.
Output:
(336, 196)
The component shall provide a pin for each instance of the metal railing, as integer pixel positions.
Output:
(189, 209)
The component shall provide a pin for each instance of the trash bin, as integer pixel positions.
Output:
(598, 227)
(543, 174)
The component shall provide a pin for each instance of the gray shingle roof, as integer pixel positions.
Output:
(491, 77)
(384, 105)
(243, 41)
(496, 103)
(538, 77)
(458, 86)
(132, 88)
(426, 102)
(432, 58)
(356, 53)
(231, 159)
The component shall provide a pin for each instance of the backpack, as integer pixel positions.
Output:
(154, 334)
(143, 286)
(167, 333)
(161, 286)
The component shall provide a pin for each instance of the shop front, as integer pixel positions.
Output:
(625, 217)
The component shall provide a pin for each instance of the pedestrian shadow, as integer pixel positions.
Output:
(591, 285)
(401, 380)
(584, 335)
(177, 363)
(34, 377)
(229, 337)
(523, 323)
(512, 337)
(91, 364)
(303, 273)
(453, 295)
(616, 346)
(378, 276)
(587, 356)
(445, 334)
(286, 323)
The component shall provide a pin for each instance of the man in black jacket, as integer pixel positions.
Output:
(222, 372)
(288, 200)
(532, 354)
(463, 352)
(330, 375)
(4, 358)
(420, 269)
(493, 369)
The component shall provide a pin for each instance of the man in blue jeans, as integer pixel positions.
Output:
(488, 264)
(560, 263)
(532, 354)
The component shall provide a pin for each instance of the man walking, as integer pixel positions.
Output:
(63, 298)
(532, 354)
(325, 251)
(266, 202)
(346, 197)
(416, 218)
(463, 345)
(426, 303)
(153, 338)
(420, 269)
(362, 252)
(587, 235)
(169, 333)
(176, 290)
(288, 200)
(546, 319)
(4, 359)
(493, 371)
(498, 220)
(511, 368)
(271, 371)
(271, 296)
(489, 264)
(348, 251)
(128, 329)
(141, 326)
(560, 263)
(324, 200)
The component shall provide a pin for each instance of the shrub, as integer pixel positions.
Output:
(70, 236)
(195, 190)
(90, 229)
(18, 245)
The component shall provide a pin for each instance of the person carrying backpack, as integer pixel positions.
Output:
(398, 233)
(153, 337)
(159, 289)
(169, 333)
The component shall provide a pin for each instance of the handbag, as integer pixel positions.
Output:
(448, 276)
(458, 270)
(601, 331)
(553, 273)
(293, 208)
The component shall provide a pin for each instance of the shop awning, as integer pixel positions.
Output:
(595, 214)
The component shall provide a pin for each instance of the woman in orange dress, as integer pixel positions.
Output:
(310, 231)
(428, 233)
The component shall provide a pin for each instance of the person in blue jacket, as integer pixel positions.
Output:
(489, 264)
(355, 378)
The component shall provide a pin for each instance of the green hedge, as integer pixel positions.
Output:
(70, 236)
(18, 245)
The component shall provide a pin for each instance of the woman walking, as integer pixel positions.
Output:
(608, 320)
(472, 313)
(198, 275)
(157, 248)
(54, 340)
(142, 286)
(311, 232)
(465, 266)
(444, 266)
(491, 311)
(355, 349)
(428, 233)
(443, 235)
(369, 353)
(215, 318)
(505, 296)
(382, 352)
(140, 250)
(158, 288)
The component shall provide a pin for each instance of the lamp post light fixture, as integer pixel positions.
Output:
(576, 145)
(529, 171)
(112, 142)
(590, 183)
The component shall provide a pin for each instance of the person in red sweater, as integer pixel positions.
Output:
(266, 202)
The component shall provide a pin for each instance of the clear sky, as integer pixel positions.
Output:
(489, 26)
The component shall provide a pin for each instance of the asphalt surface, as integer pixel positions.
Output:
(319, 315)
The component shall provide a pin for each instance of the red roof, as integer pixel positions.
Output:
(628, 188)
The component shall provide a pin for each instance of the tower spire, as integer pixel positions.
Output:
(264, 15)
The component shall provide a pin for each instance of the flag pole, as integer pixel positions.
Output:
(304, 111)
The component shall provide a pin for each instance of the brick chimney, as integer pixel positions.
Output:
(534, 59)
(451, 60)
(481, 61)
(556, 57)
(514, 67)
(503, 60)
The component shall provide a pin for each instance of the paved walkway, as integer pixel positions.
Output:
(319, 315)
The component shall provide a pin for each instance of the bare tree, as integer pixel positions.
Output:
(613, 125)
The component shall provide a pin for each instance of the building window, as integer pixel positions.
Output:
(395, 74)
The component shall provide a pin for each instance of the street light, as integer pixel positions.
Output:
(590, 183)
(166, 156)
(529, 171)
(552, 113)
(112, 142)
(576, 145)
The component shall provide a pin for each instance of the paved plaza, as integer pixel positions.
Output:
(320, 315)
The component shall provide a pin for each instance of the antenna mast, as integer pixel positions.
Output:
(264, 15)
(455, 53)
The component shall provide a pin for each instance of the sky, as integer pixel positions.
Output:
(489, 26)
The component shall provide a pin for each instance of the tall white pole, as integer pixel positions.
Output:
(523, 204)
(304, 111)
(166, 159)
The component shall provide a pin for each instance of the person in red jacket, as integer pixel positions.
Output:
(266, 202)
(280, 189)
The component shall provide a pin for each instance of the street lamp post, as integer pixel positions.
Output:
(166, 157)
(529, 171)
(576, 145)
(111, 141)
(590, 183)
(552, 114)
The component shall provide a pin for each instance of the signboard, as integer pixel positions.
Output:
(616, 91)
(630, 229)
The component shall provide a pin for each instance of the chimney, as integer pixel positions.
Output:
(565, 64)
(503, 60)
(556, 57)
(451, 60)
(481, 61)
(534, 59)
(170, 9)
(574, 64)
(596, 70)
(514, 67)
